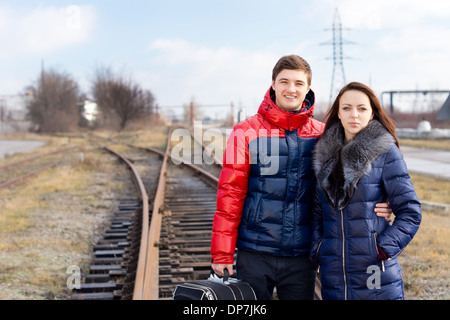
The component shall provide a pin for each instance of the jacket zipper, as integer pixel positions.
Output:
(317, 254)
(376, 248)
(396, 255)
(318, 247)
(343, 255)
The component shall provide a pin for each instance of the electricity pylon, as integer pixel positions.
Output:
(337, 41)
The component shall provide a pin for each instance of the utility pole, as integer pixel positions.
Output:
(42, 73)
(192, 118)
(2, 115)
(232, 114)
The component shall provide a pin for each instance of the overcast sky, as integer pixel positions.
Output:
(221, 51)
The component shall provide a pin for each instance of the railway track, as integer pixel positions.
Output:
(160, 234)
(184, 253)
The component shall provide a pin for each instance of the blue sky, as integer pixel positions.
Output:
(216, 52)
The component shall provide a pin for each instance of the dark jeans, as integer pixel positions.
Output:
(294, 277)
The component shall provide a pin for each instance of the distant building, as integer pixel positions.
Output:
(90, 110)
(444, 113)
(13, 112)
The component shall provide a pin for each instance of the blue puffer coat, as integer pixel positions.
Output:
(347, 234)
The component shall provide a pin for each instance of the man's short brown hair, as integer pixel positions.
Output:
(292, 62)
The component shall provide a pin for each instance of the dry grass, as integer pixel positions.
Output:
(19, 201)
(431, 189)
(155, 137)
(443, 144)
(425, 262)
(50, 223)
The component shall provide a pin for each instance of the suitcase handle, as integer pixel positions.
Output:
(226, 275)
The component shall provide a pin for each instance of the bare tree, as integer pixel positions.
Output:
(54, 104)
(119, 99)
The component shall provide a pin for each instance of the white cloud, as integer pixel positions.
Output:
(384, 14)
(417, 39)
(417, 56)
(44, 29)
(402, 44)
(211, 75)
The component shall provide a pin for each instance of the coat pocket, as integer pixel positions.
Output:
(253, 212)
(374, 243)
(316, 252)
(373, 250)
(380, 263)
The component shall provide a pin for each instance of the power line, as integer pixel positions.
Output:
(338, 76)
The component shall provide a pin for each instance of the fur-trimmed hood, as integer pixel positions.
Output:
(339, 166)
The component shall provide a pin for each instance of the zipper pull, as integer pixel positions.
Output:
(382, 266)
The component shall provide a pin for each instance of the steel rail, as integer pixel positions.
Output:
(15, 164)
(35, 172)
(140, 271)
(204, 175)
(27, 176)
(150, 287)
(151, 258)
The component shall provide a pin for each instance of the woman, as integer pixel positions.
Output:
(357, 163)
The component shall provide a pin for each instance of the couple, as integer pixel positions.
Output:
(329, 202)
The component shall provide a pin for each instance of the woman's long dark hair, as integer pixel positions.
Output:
(378, 113)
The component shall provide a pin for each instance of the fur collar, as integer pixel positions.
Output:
(339, 166)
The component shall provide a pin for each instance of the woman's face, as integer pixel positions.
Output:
(355, 112)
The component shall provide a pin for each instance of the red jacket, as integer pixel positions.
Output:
(266, 184)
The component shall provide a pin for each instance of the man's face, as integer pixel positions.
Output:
(291, 87)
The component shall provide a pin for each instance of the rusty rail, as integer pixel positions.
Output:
(15, 164)
(149, 257)
(33, 173)
(27, 176)
(140, 271)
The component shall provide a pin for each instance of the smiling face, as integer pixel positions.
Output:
(355, 112)
(291, 87)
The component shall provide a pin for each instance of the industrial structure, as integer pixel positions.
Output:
(337, 41)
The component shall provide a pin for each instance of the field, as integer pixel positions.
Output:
(51, 223)
(425, 262)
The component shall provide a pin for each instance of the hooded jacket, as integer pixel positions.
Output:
(266, 185)
(347, 234)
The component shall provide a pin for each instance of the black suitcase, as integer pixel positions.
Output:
(214, 289)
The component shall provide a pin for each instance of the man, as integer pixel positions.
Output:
(266, 189)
